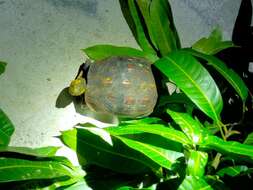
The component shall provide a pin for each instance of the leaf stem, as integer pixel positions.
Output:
(225, 133)
(222, 127)
(216, 161)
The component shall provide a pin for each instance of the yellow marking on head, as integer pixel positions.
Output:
(77, 87)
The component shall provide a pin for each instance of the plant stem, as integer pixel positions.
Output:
(216, 161)
(222, 127)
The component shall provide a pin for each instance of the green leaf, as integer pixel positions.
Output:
(6, 129)
(157, 129)
(212, 128)
(249, 139)
(92, 149)
(232, 171)
(232, 77)
(227, 147)
(12, 169)
(196, 163)
(215, 182)
(190, 126)
(144, 6)
(160, 155)
(216, 34)
(133, 18)
(2, 67)
(213, 44)
(194, 183)
(163, 30)
(99, 52)
(194, 80)
(38, 152)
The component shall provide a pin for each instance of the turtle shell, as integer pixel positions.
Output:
(123, 86)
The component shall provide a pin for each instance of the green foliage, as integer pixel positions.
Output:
(213, 44)
(163, 30)
(12, 169)
(194, 80)
(184, 145)
(6, 129)
(188, 145)
(233, 171)
(249, 139)
(100, 52)
(32, 168)
(232, 77)
(228, 147)
(41, 152)
(133, 17)
(97, 149)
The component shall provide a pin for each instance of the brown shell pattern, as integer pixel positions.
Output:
(122, 86)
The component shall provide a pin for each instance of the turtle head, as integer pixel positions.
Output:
(78, 86)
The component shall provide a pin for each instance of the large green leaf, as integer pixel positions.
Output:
(157, 129)
(190, 126)
(95, 149)
(232, 171)
(194, 80)
(12, 169)
(2, 67)
(196, 163)
(146, 138)
(213, 44)
(194, 183)
(144, 6)
(232, 77)
(38, 152)
(6, 129)
(99, 52)
(133, 17)
(227, 147)
(163, 30)
(153, 152)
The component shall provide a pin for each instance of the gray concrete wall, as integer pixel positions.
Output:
(41, 41)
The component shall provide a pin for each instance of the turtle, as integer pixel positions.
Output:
(119, 85)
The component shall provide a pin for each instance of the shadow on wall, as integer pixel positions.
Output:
(89, 7)
(240, 58)
(64, 99)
